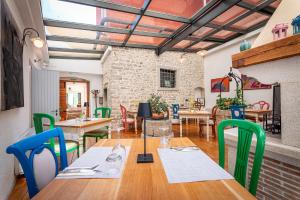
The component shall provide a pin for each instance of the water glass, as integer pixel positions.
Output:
(113, 164)
(164, 136)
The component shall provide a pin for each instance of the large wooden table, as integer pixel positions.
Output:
(142, 181)
(203, 114)
(257, 113)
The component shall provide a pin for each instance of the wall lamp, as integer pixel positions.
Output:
(34, 37)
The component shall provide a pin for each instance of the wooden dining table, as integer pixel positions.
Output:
(198, 115)
(142, 181)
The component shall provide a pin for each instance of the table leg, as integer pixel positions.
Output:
(109, 130)
(80, 141)
(135, 124)
(198, 123)
(256, 118)
(207, 128)
(180, 121)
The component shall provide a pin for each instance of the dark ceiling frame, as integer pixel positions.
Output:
(220, 28)
(206, 14)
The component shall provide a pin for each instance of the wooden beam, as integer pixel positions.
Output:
(276, 50)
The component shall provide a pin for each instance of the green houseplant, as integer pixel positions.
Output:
(158, 106)
(225, 103)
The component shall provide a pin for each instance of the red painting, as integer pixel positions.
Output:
(215, 85)
(250, 83)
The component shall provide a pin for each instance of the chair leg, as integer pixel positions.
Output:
(213, 127)
(96, 139)
(78, 150)
(84, 142)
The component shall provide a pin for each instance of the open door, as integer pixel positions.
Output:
(45, 92)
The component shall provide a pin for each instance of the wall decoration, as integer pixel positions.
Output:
(280, 31)
(296, 25)
(250, 83)
(245, 45)
(215, 85)
(11, 63)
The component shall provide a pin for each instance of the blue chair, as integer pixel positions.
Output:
(237, 112)
(175, 109)
(41, 166)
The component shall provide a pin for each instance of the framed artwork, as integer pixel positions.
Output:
(250, 83)
(215, 85)
(201, 101)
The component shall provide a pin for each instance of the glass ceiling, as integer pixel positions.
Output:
(83, 29)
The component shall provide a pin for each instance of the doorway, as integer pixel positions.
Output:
(74, 98)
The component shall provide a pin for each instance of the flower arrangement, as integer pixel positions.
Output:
(158, 106)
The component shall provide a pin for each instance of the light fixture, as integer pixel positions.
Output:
(36, 40)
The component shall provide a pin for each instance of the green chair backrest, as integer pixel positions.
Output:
(38, 124)
(245, 132)
(105, 112)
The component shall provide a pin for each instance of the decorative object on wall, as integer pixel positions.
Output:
(95, 93)
(11, 62)
(251, 83)
(215, 85)
(280, 31)
(201, 101)
(245, 45)
(296, 25)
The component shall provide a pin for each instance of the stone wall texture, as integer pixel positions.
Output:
(131, 75)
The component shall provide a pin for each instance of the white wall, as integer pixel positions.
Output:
(80, 66)
(95, 84)
(217, 64)
(14, 124)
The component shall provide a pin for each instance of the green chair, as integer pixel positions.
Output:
(245, 132)
(38, 126)
(100, 133)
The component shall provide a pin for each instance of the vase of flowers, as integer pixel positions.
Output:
(159, 107)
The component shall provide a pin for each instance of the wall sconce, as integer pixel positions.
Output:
(36, 40)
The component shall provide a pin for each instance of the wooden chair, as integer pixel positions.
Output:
(126, 121)
(263, 105)
(212, 121)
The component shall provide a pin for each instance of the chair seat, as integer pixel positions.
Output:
(70, 146)
(130, 120)
(101, 135)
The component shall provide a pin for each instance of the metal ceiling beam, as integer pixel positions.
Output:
(127, 9)
(214, 26)
(265, 11)
(257, 8)
(98, 28)
(76, 50)
(137, 20)
(81, 40)
(212, 10)
(74, 58)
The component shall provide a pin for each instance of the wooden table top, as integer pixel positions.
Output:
(81, 124)
(142, 181)
(196, 112)
(258, 111)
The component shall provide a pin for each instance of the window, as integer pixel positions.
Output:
(167, 78)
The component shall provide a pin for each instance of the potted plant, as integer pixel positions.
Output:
(158, 106)
(224, 103)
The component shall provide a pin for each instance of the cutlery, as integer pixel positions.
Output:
(79, 168)
(185, 148)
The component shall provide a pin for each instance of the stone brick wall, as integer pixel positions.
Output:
(133, 74)
(277, 181)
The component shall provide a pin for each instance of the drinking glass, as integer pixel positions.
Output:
(112, 164)
(165, 134)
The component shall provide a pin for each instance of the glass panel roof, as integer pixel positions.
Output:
(202, 45)
(162, 19)
(70, 45)
(183, 44)
(151, 24)
(249, 21)
(181, 8)
(137, 39)
(229, 15)
(223, 34)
